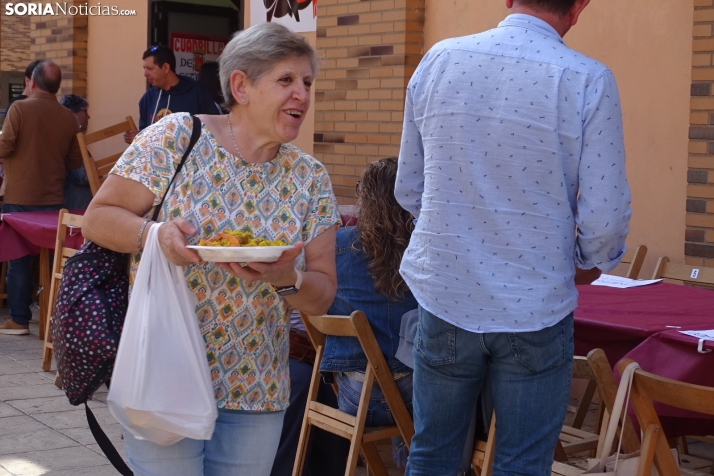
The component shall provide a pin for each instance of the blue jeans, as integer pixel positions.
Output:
(378, 412)
(530, 375)
(19, 273)
(243, 444)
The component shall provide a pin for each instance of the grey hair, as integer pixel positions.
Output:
(257, 50)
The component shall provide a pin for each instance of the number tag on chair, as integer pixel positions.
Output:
(695, 273)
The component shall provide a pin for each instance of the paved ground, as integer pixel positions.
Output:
(41, 433)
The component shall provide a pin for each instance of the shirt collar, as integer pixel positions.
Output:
(43, 95)
(530, 22)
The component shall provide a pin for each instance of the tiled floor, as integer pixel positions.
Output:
(41, 433)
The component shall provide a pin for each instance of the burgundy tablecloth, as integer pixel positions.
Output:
(674, 355)
(25, 233)
(618, 320)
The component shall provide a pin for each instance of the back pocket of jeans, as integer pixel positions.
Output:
(541, 350)
(435, 341)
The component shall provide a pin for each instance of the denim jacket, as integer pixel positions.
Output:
(355, 292)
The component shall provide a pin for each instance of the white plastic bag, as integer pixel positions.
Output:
(161, 387)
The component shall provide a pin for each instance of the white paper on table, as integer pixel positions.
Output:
(622, 283)
(707, 335)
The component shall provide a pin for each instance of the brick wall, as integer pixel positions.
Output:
(699, 235)
(63, 39)
(14, 40)
(368, 51)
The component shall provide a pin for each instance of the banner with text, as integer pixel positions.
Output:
(193, 50)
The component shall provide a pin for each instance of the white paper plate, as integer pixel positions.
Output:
(240, 254)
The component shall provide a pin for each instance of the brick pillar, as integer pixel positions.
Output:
(14, 43)
(699, 235)
(368, 50)
(63, 39)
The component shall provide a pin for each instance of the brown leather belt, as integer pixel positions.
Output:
(301, 348)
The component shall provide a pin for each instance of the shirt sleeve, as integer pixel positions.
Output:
(154, 155)
(322, 208)
(9, 132)
(603, 212)
(143, 115)
(410, 171)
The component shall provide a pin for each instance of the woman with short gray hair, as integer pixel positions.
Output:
(242, 175)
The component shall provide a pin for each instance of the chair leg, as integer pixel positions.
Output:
(374, 461)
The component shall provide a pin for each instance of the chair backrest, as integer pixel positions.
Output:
(683, 273)
(648, 388)
(97, 170)
(607, 388)
(634, 258)
(62, 253)
(357, 325)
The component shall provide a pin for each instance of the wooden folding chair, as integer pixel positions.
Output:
(66, 220)
(634, 258)
(607, 389)
(97, 170)
(648, 388)
(683, 273)
(573, 439)
(343, 424)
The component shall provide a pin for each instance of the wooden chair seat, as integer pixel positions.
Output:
(352, 427)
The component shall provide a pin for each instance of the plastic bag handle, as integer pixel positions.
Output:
(620, 401)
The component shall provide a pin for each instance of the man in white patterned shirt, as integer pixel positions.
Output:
(513, 162)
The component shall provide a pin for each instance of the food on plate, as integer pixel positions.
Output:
(238, 238)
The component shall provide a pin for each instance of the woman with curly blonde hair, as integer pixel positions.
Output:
(368, 257)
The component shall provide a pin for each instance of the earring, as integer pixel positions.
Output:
(242, 99)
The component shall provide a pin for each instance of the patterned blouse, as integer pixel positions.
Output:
(244, 325)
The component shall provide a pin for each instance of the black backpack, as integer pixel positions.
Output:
(88, 317)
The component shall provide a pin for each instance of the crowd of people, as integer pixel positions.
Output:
(509, 190)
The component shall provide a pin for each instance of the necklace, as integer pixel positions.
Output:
(230, 129)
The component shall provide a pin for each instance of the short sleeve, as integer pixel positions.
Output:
(154, 155)
(322, 208)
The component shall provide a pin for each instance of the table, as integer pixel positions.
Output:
(637, 323)
(674, 355)
(618, 320)
(26, 233)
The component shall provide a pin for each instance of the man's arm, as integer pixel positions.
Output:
(74, 158)
(410, 172)
(10, 130)
(604, 211)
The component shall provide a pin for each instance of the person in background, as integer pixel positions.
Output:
(513, 163)
(169, 92)
(242, 175)
(77, 193)
(368, 257)
(209, 77)
(38, 147)
(27, 78)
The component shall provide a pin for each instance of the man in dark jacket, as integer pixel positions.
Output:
(169, 92)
